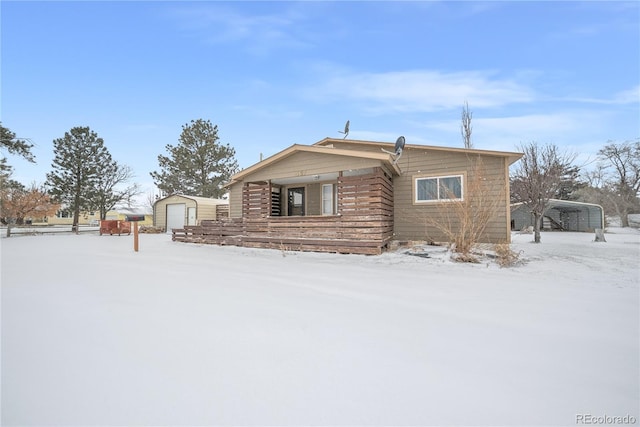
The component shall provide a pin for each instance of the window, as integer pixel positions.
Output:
(295, 201)
(327, 199)
(438, 188)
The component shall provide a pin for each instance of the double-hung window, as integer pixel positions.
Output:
(328, 199)
(438, 188)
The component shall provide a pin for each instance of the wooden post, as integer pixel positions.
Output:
(135, 236)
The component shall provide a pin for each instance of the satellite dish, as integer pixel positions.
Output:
(397, 149)
(346, 129)
(399, 145)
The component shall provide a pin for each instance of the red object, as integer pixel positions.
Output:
(114, 226)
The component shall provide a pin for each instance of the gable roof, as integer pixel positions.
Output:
(511, 156)
(197, 199)
(298, 148)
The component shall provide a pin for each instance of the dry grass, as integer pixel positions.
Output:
(505, 256)
(463, 222)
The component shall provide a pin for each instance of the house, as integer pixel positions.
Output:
(563, 215)
(178, 210)
(122, 212)
(92, 218)
(351, 196)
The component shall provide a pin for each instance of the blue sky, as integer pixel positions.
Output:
(271, 74)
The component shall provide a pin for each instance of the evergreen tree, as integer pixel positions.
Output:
(78, 160)
(199, 165)
(13, 145)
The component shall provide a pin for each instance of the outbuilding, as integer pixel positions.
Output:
(563, 215)
(178, 210)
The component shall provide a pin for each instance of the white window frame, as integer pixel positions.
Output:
(331, 199)
(438, 178)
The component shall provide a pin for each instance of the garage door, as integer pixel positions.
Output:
(175, 216)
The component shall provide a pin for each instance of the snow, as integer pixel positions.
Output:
(94, 333)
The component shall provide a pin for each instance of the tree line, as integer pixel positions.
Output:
(85, 177)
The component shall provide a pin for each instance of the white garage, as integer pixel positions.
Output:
(177, 210)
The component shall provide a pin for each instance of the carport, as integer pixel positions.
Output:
(565, 215)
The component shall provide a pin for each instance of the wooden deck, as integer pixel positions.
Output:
(364, 224)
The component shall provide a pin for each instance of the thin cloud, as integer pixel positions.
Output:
(627, 96)
(259, 33)
(422, 90)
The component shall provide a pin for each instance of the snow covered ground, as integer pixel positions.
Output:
(94, 333)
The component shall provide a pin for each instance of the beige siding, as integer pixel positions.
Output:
(160, 214)
(204, 209)
(235, 200)
(412, 220)
(299, 164)
(304, 163)
(314, 199)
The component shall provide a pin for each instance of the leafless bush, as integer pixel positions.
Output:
(505, 256)
(464, 221)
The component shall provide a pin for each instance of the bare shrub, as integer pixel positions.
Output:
(505, 256)
(463, 222)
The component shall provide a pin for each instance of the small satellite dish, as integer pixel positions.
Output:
(346, 129)
(399, 145)
(397, 149)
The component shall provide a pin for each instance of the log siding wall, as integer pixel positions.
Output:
(363, 225)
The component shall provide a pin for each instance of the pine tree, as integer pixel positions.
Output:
(13, 145)
(199, 165)
(79, 156)
(18, 146)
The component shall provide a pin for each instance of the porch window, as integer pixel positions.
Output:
(327, 199)
(295, 201)
(438, 188)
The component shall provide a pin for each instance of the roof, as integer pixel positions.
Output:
(564, 204)
(512, 156)
(297, 148)
(198, 200)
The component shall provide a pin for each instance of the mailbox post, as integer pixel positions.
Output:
(134, 219)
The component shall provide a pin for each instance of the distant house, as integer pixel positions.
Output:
(121, 213)
(563, 215)
(92, 218)
(178, 210)
(353, 196)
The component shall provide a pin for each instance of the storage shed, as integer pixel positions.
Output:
(563, 215)
(178, 210)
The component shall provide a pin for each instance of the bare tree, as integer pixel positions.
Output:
(538, 177)
(465, 126)
(621, 163)
(111, 187)
(20, 203)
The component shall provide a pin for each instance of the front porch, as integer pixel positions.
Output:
(362, 223)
